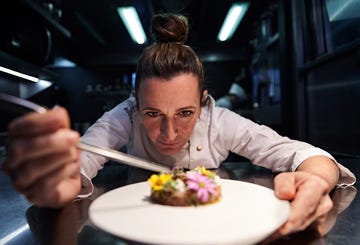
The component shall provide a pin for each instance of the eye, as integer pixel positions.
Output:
(152, 114)
(185, 113)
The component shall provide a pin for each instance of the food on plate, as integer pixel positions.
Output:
(198, 186)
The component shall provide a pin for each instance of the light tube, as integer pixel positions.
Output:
(232, 20)
(14, 234)
(21, 75)
(132, 23)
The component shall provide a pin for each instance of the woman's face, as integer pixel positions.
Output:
(169, 110)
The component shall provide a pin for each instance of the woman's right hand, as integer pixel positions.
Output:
(42, 159)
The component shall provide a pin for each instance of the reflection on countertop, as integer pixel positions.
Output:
(70, 225)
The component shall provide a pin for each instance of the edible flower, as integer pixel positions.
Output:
(201, 184)
(206, 172)
(158, 181)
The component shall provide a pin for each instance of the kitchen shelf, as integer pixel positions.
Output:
(11, 62)
(48, 18)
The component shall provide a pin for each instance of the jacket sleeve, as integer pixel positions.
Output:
(265, 147)
(112, 130)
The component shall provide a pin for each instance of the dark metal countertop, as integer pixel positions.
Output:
(70, 225)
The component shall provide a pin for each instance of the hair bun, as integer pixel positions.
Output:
(169, 28)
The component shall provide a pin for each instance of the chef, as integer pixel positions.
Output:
(171, 119)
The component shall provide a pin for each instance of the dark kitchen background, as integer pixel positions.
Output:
(298, 61)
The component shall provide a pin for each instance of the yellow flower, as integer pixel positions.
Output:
(157, 181)
(206, 172)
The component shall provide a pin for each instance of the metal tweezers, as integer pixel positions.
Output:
(15, 104)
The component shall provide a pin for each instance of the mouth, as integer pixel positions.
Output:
(168, 144)
(169, 148)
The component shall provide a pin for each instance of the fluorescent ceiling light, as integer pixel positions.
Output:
(21, 75)
(341, 10)
(14, 234)
(232, 20)
(132, 23)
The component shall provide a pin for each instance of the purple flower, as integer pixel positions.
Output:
(203, 185)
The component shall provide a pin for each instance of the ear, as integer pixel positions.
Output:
(204, 97)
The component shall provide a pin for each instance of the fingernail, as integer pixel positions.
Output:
(283, 230)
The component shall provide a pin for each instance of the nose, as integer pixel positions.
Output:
(168, 129)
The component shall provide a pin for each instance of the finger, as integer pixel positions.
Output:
(313, 220)
(325, 222)
(36, 123)
(284, 186)
(56, 189)
(32, 171)
(326, 204)
(304, 207)
(22, 150)
(308, 197)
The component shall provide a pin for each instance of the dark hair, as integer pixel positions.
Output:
(169, 56)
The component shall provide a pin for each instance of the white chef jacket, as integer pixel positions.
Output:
(217, 132)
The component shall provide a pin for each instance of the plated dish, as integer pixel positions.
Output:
(246, 214)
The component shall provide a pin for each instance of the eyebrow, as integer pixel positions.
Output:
(180, 109)
(186, 108)
(150, 109)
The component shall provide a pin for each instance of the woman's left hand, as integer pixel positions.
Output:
(309, 197)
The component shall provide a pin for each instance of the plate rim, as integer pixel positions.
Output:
(286, 206)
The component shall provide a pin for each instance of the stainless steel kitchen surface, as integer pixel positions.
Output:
(297, 61)
(22, 223)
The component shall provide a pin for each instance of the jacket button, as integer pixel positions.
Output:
(199, 148)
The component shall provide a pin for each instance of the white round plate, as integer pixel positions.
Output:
(246, 214)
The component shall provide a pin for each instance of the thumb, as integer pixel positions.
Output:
(285, 186)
